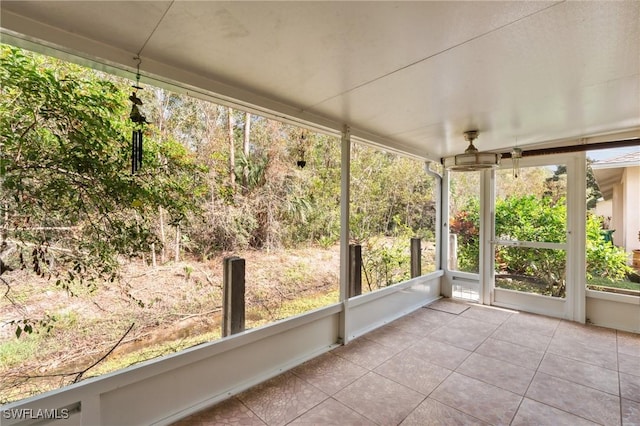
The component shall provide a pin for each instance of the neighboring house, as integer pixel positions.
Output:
(619, 182)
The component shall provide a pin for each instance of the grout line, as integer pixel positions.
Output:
(570, 381)
(544, 354)
(537, 373)
(561, 409)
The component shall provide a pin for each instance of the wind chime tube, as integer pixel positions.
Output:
(134, 153)
(138, 119)
(516, 155)
(136, 150)
(139, 148)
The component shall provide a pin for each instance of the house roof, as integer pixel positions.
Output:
(608, 172)
(411, 76)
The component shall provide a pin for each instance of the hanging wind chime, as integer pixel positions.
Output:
(516, 155)
(301, 150)
(139, 120)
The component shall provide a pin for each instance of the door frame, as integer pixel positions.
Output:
(571, 307)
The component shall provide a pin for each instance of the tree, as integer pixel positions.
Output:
(559, 177)
(593, 190)
(246, 146)
(232, 149)
(70, 205)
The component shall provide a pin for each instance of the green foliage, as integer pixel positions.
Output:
(606, 284)
(524, 218)
(296, 273)
(69, 203)
(15, 352)
(529, 218)
(593, 190)
(255, 166)
(75, 212)
(392, 200)
(388, 190)
(385, 261)
(28, 325)
(466, 225)
(604, 260)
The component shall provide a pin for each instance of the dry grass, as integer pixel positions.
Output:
(173, 306)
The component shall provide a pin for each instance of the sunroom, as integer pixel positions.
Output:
(538, 88)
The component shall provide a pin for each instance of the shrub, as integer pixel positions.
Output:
(604, 260)
(528, 218)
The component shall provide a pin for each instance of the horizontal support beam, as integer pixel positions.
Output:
(624, 143)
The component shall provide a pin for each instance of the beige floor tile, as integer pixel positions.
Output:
(478, 399)
(365, 353)
(629, 343)
(331, 412)
(282, 399)
(511, 352)
(533, 413)
(497, 372)
(434, 413)
(411, 325)
(515, 333)
(630, 412)
(464, 333)
(582, 373)
(592, 344)
(403, 372)
(629, 364)
(419, 324)
(449, 306)
(534, 323)
(439, 353)
(580, 349)
(592, 404)
(487, 314)
(329, 372)
(392, 337)
(599, 336)
(432, 317)
(417, 328)
(414, 372)
(230, 412)
(630, 387)
(380, 399)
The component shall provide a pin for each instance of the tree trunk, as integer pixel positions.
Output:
(4, 223)
(232, 148)
(245, 148)
(177, 258)
(153, 255)
(163, 237)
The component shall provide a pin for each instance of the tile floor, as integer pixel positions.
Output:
(452, 363)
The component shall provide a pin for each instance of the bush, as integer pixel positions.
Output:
(385, 261)
(604, 260)
(466, 224)
(528, 218)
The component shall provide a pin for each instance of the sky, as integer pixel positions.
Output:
(603, 154)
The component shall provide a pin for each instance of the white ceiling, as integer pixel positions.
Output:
(409, 75)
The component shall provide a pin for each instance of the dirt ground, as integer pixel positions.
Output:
(168, 307)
